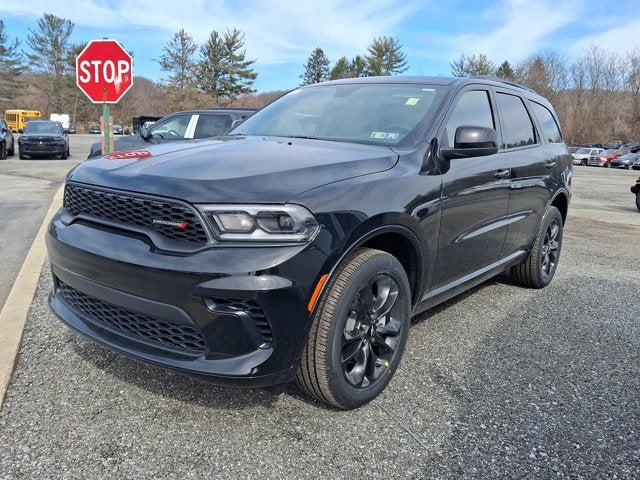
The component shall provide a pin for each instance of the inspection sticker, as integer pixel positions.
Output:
(412, 101)
(385, 135)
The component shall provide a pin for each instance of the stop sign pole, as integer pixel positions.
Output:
(104, 72)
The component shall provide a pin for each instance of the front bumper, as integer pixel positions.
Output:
(247, 306)
(41, 150)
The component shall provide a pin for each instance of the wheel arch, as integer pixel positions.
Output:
(561, 201)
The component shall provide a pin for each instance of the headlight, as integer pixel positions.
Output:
(261, 223)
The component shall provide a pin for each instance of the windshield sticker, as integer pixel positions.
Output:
(385, 135)
(412, 101)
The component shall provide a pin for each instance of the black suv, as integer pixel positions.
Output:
(300, 245)
(187, 125)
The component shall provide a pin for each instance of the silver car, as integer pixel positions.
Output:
(581, 156)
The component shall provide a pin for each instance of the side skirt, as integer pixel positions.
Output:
(450, 290)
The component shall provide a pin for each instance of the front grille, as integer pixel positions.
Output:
(163, 216)
(250, 308)
(131, 323)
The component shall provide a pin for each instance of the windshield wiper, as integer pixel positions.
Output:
(302, 136)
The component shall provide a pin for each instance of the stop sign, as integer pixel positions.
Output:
(104, 71)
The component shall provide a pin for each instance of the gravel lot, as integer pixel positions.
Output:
(502, 382)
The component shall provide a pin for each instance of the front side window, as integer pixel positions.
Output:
(174, 128)
(548, 125)
(378, 114)
(212, 125)
(473, 110)
(518, 130)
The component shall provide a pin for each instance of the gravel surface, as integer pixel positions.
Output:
(501, 382)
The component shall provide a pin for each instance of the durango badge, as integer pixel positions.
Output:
(181, 225)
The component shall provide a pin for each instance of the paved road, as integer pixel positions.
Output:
(503, 382)
(27, 189)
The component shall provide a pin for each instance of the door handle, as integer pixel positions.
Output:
(550, 165)
(502, 173)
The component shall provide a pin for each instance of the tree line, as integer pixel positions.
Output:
(596, 94)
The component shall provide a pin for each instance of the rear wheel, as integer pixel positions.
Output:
(539, 268)
(359, 331)
(638, 201)
(11, 152)
(3, 151)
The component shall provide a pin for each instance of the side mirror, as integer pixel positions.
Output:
(235, 123)
(145, 133)
(472, 142)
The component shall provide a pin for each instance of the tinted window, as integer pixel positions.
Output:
(518, 130)
(174, 127)
(473, 110)
(381, 114)
(548, 125)
(212, 125)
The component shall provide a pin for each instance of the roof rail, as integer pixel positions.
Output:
(495, 78)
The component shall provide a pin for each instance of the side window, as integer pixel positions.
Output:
(212, 125)
(473, 110)
(548, 125)
(518, 130)
(174, 128)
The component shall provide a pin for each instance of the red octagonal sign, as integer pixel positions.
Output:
(104, 71)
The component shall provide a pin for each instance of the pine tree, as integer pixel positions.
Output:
(223, 71)
(385, 57)
(11, 67)
(506, 71)
(358, 66)
(177, 59)
(316, 69)
(342, 69)
(472, 66)
(49, 54)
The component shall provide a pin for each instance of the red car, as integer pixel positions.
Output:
(604, 159)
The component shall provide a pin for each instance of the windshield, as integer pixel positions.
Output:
(43, 127)
(380, 114)
(628, 156)
(584, 150)
(609, 151)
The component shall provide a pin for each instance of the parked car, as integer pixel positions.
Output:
(593, 145)
(7, 143)
(299, 245)
(43, 138)
(117, 129)
(636, 191)
(636, 164)
(179, 126)
(625, 161)
(581, 156)
(633, 147)
(572, 148)
(605, 158)
(95, 130)
(614, 144)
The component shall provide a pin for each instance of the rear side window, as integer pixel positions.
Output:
(212, 125)
(473, 110)
(518, 130)
(548, 125)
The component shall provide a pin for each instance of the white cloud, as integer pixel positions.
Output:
(621, 38)
(277, 31)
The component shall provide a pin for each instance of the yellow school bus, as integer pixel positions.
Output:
(17, 119)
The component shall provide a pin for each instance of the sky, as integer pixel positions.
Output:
(280, 34)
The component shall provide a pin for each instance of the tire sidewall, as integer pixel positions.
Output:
(341, 389)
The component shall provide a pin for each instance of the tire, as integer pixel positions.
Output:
(638, 201)
(63, 156)
(341, 329)
(12, 151)
(539, 268)
(3, 151)
(583, 163)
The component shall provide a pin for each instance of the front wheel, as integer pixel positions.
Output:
(359, 331)
(3, 151)
(539, 268)
(638, 201)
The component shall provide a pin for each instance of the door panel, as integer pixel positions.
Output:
(475, 196)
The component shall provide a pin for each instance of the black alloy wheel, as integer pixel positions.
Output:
(371, 332)
(550, 249)
(359, 331)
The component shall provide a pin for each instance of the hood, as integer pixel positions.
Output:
(42, 136)
(235, 169)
